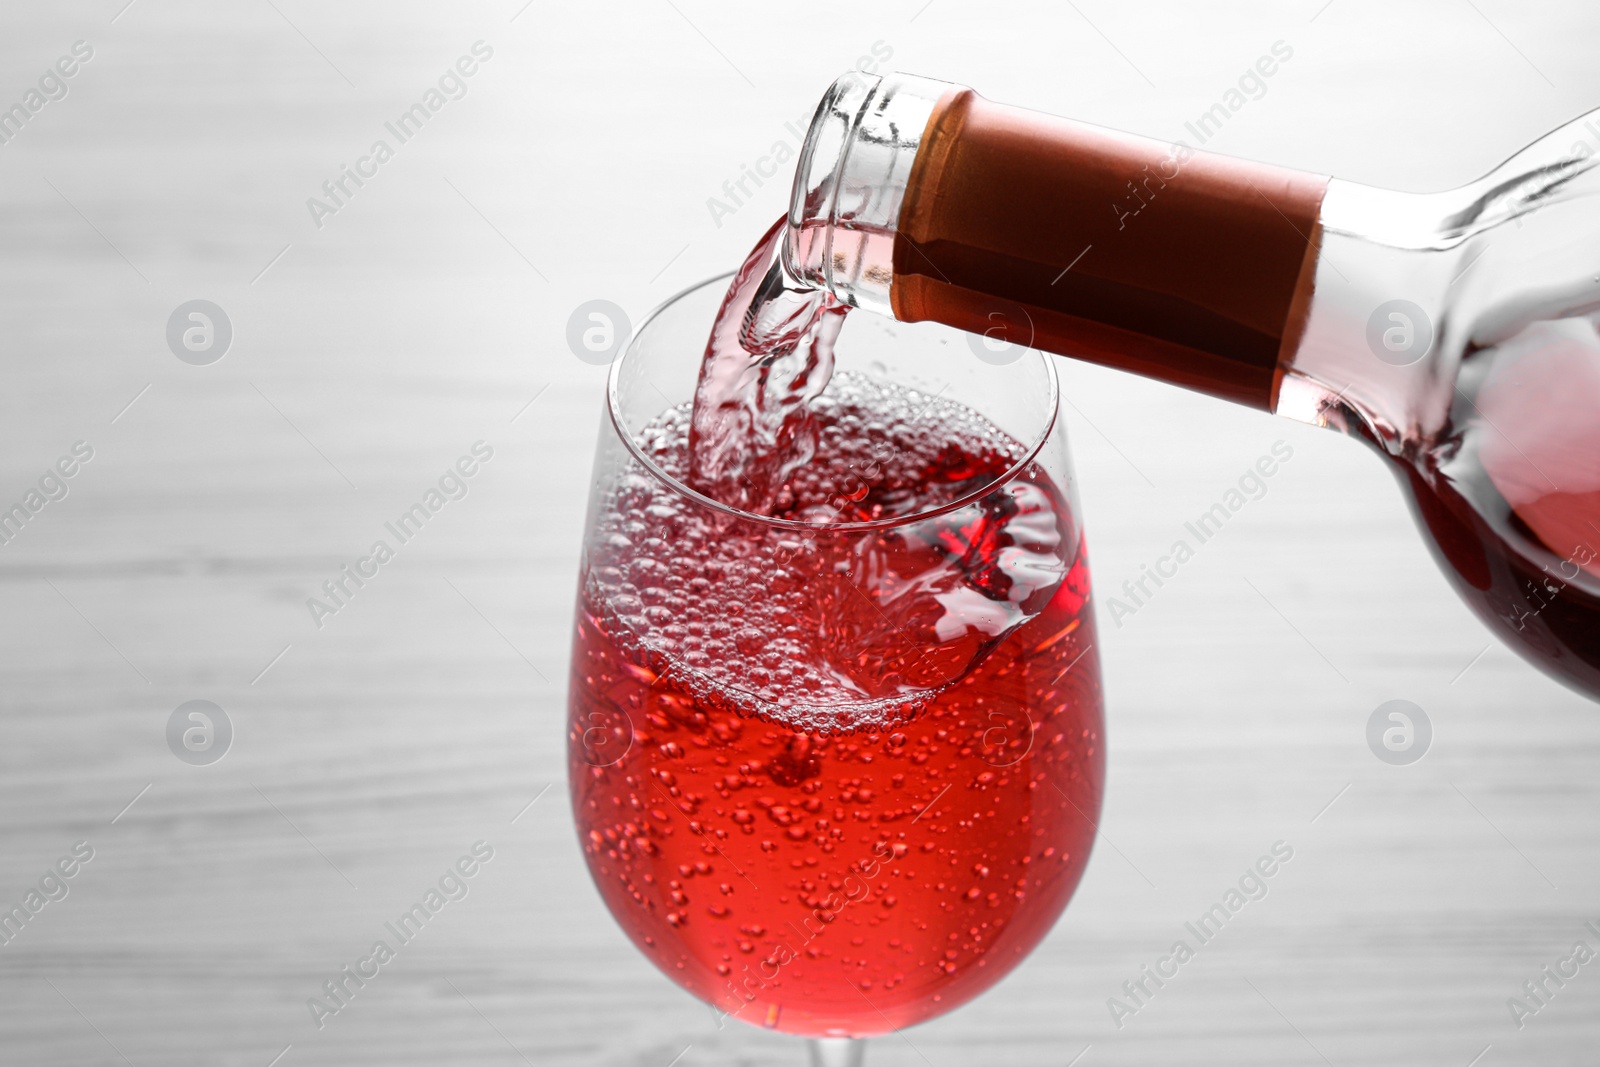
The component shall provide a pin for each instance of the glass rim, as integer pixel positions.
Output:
(618, 424)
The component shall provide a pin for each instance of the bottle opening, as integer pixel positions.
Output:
(851, 181)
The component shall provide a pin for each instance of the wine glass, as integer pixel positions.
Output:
(838, 772)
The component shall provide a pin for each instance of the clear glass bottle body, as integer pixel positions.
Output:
(1456, 334)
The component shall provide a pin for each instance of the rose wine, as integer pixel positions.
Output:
(835, 784)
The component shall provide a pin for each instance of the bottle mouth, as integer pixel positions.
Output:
(850, 182)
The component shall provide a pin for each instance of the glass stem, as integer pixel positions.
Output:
(838, 1051)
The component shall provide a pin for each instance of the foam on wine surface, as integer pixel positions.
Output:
(824, 630)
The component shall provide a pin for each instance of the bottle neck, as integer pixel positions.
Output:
(1322, 300)
(1407, 287)
(923, 200)
(1368, 360)
(850, 185)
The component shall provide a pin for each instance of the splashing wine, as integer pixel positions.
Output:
(770, 355)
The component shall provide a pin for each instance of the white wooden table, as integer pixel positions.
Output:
(426, 715)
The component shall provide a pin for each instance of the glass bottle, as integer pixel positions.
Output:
(1454, 332)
